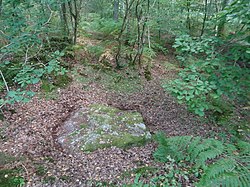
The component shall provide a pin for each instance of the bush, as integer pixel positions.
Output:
(211, 79)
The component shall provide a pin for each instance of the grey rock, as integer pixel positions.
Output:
(101, 126)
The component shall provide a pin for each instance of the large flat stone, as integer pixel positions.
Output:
(101, 126)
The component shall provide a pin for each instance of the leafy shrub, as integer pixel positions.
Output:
(187, 46)
(32, 74)
(158, 47)
(193, 88)
(206, 83)
(221, 164)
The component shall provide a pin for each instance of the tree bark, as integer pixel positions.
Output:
(188, 22)
(221, 25)
(1, 7)
(74, 10)
(64, 19)
(128, 6)
(204, 19)
(116, 10)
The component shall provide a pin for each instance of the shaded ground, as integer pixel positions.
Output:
(30, 131)
(161, 112)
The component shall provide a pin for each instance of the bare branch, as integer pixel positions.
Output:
(50, 16)
(6, 85)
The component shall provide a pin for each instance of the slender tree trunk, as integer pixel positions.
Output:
(1, 7)
(116, 10)
(64, 19)
(188, 22)
(204, 19)
(127, 7)
(74, 15)
(221, 25)
(158, 9)
(142, 19)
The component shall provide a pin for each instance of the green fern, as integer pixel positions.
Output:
(212, 149)
(223, 164)
(167, 147)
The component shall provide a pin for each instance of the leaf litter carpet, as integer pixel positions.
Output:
(30, 131)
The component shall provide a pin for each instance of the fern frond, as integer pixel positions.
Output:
(227, 173)
(179, 145)
(228, 165)
(218, 167)
(195, 142)
(175, 147)
(215, 149)
(230, 149)
(199, 148)
(228, 180)
(244, 147)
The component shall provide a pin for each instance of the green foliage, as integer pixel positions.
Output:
(194, 88)
(159, 48)
(222, 164)
(221, 69)
(11, 178)
(19, 96)
(238, 11)
(95, 51)
(139, 183)
(28, 50)
(206, 83)
(109, 27)
(171, 176)
(31, 74)
(187, 46)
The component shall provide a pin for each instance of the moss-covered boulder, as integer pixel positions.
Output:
(101, 126)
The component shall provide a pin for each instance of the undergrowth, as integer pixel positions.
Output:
(200, 162)
(220, 164)
(126, 80)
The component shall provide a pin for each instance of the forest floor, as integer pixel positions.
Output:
(29, 130)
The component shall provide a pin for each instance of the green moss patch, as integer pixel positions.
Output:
(127, 80)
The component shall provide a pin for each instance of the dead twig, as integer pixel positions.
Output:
(6, 85)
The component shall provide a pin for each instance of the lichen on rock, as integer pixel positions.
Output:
(101, 126)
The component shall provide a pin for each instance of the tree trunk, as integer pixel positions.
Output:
(142, 19)
(204, 19)
(188, 22)
(64, 19)
(74, 10)
(116, 10)
(221, 25)
(128, 6)
(1, 7)
(158, 22)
